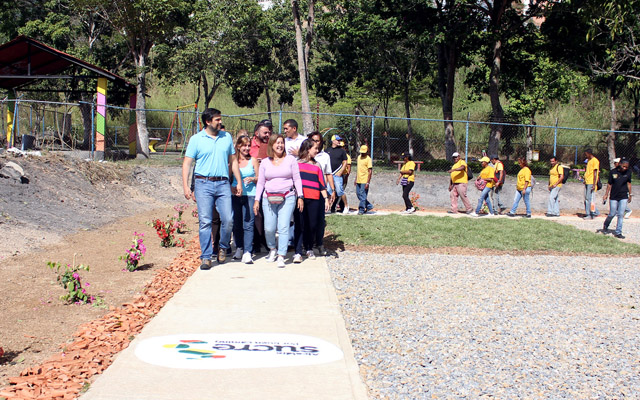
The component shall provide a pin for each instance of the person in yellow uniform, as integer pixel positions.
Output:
(523, 188)
(590, 184)
(364, 168)
(496, 199)
(458, 184)
(488, 175)
(407, 179)
(556, 175)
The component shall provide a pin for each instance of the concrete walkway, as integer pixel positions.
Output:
(245, 308)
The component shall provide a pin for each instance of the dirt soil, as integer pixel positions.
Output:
(74, 209)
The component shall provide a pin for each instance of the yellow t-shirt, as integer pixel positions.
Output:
(589, 174)
(554, 175)
(488, 173)
(362, 173)
(499, 167)
(347, 167)
(406, 169)
(459, 176)
(524, 178)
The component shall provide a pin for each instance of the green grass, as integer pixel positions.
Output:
(492, 234)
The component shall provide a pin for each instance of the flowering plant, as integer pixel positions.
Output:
(166, 233)
(69, 278)
(414, 197)
(135, 253)
(181, 226)
(194, 212)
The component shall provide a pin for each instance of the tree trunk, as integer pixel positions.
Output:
(530, 141)
(208, 94)
(142, 138)
(407, 109)
(611, 137)
(359, 141)
(85, 110)
(268, 95)
(497, 113)
(447, 60)
(307, 119)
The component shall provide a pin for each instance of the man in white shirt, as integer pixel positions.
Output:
(293, 140)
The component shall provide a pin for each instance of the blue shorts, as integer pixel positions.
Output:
(338, 182)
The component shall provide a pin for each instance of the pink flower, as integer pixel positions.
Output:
(76, 275)
(87, 284)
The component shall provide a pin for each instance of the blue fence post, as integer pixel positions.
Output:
(280, 119)
(373, 127)
(466, 139)
(93, 130)
(576, 158)
(555, 137)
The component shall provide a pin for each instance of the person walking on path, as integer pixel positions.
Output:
(591, 175)
(342, 206)
(213, 151)
(338, 157)
(556, 175)
(619, 194)
(316, 202)
(363, 179)
(261, 134)
(627, 211)
(280, 189)
(323, 159)
(407, 179)
(496, 199)
(293, 139)
(488, 177)
(523, 188)
(243, 215)
(458, 184)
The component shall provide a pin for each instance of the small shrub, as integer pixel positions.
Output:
(136, 253)
(69, 279)
(166, 233)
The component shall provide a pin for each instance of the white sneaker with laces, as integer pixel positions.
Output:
(281, 262)
(272, 255)
(628, 214)
(238, 254)
(297, 258)
(311, 255)
(345, 211)
(411, 210)
(246, 258)
(473, 214)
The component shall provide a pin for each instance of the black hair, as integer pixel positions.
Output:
(588, 151)
(260, 125)
(316, 133)
(209, 114)
(291, 122)
(303, 151)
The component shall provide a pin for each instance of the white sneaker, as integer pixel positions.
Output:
(297, 259)
(411, 210)
(628, 214)
(238, 254)
(311, 255)
(491, 215)
(322, 251)
(345, 211)
(247, 259)
(272, 255)
(281, 262)
(473, 214)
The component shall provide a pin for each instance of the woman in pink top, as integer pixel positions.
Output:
(279, 186)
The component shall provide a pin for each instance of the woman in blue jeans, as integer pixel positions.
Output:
(487, 176)
(523, 188)
(243, 216)
(280, 189)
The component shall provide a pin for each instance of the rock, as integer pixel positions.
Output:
(12, 170)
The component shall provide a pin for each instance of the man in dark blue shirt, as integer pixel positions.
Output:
(619, 193)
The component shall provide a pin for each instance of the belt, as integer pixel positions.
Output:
(212, 178)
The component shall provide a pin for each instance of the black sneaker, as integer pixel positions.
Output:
(510, 214)
(528, 216)
(619, 235)
(502, 209)
(604, 231)
(206, 265)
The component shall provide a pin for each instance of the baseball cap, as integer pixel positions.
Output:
(494, 157)
(364, 149)
(485, 159)
(616, 160)
(336, 137)
(456, 154)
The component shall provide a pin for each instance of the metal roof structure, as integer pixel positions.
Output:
(24, 60)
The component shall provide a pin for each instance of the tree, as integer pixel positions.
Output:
(304, 38)
(144, 24)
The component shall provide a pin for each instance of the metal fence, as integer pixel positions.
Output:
(54, 125)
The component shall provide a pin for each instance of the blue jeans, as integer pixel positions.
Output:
(277, 217)
(554, 201)
(484, 196)
(209, 195)
(338, 182)
(616, 208)
(243, 221)
(588, 190)
(518, 197)
(362, 192)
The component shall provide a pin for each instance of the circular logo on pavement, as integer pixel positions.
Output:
(236, 350)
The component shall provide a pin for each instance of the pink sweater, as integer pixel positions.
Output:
(279, 179)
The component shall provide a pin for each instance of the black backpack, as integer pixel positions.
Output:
(565, 173)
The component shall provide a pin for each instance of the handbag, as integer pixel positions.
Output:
(276, 198)
(404, 181)
(480, 184)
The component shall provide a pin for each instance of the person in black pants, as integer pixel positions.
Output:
(407, 179)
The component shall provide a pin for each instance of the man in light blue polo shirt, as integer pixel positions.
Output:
(213, 151)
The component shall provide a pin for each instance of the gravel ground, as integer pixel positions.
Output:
(506, 327)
